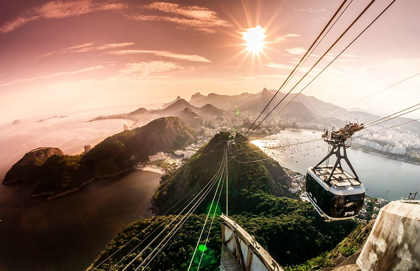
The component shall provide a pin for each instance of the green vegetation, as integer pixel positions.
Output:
(55, 174)
(266, 175)
(342, 253)
(65, 173)
(29, 167)
(175, 256)
(121, 151)
(289, 229)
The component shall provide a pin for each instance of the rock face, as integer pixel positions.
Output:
(393, 243)
(29, 168)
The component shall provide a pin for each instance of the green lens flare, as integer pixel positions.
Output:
(215, 207)
(202, 248)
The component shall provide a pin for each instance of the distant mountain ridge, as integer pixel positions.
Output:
(303, 107)
(178, 106)
(256, 102)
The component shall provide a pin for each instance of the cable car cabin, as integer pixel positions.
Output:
(340, 198)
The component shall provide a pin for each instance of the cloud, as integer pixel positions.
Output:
(58, 10)
(279, 66)
(50, 76)
(198, 18)
(147, 68)
(194, 58)
(86, 47)
(296, 51)
(287, 36)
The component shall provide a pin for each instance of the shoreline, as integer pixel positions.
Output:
(129, 123)
(357, 148)
(354, 146)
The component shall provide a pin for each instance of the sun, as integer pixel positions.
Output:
(254, 38)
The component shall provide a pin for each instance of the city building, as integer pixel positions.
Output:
(160, 156)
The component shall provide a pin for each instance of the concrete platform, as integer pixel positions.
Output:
(394, 242)
(228, 261)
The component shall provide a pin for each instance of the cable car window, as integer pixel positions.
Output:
(321, 196)
(341, 201)
(354, 197)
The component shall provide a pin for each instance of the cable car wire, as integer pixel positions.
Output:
(324, 55)
(208, 214)
(150, 234)
(176, 228)
(206, 189)
(308, 52)
(393, 116)
(364, 98)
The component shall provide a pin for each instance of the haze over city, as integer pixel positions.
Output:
(63, 55)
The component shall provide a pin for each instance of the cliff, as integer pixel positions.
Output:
(29, 167)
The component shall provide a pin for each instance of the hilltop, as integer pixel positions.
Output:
(267, 176)
(191, 118)
(29, 167)
(170, 103)
(179, 105)
(56, 174)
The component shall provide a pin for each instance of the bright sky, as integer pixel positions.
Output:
(63, 55)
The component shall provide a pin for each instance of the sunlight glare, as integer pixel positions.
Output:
(254, 38)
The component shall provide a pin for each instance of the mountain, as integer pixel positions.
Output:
(224, 102)
(256, 102)
(297, 110)
(177, 107)
(170, 103)
(139, 111)
(191, 118)
(29, 167)
(121, 151)
(267, 175)
(210, 110)
(56, 174)
(294, 110)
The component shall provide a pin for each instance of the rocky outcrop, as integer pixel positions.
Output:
(29, 167)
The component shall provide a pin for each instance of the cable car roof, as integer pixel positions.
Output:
(342, 182)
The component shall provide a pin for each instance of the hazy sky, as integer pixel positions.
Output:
(62, 55)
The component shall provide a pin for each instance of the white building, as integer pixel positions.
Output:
(381, 201)
(160, 156)
(179, 152)
(295, 190)
(188, 154)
